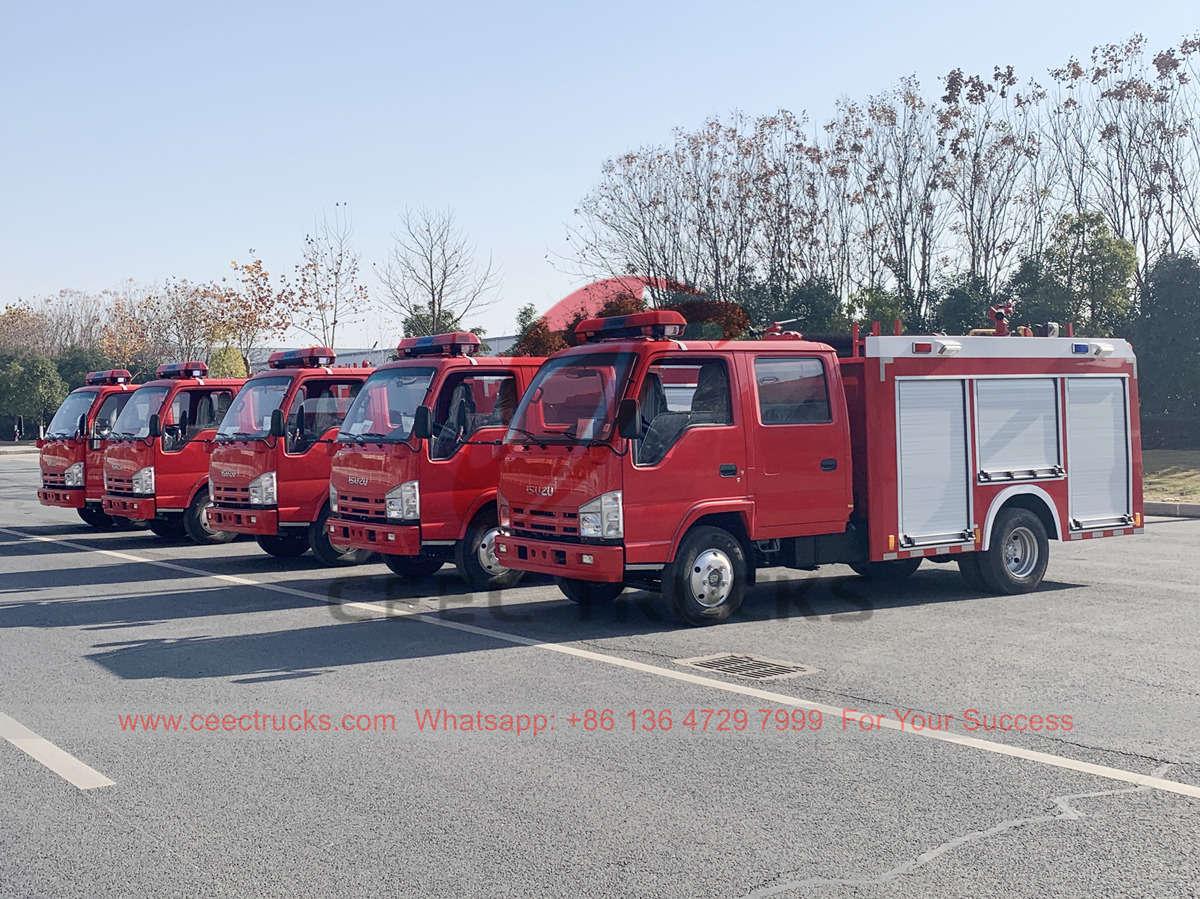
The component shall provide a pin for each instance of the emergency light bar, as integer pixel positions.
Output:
(657, 324)
(112, 376)
(309, 357)
(937, 347)
(455, 343)
(1092, 349)
(178, 370)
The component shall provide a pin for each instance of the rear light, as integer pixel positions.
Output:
(922, 347)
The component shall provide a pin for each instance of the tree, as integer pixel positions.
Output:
(254, 309)
(963, 304)
(813, 305)
(74, 363)
(228, 362)
(30, 386)
(1166, 333)
(432, 279)
(327, 292)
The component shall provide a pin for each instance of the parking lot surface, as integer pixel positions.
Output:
(209, 720)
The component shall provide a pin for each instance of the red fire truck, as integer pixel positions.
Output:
(156, 464)
(269, 468)
(72, 453)
(415, 475)
(785, 452)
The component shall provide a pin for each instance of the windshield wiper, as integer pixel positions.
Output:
(537, 440)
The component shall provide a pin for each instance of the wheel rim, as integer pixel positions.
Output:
(204, 525)
(711, 578)
(486, 554)
(1020, 552)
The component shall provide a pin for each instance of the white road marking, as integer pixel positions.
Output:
(852, 715)
(57, 760)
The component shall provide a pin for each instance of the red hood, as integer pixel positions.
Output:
(123, 457)
(58, 455)
(374, 469)
(560, 478)
(237, 464)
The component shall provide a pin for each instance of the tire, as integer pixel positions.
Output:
(588, 593)
(894, 570)
(167, 528)
(283, 547)
(968, 567)
(97, 518)
(475, 556)
(195, 522)
(1015, 561)
(324, 550)
(413, 566)
(707, 581)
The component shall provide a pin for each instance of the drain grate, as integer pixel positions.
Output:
(747, 666)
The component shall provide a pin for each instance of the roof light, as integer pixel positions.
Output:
(455, 343)
(178, 370)
(1081, 349)
(940, 347)
(1102, 349)
(309, 357)
(111, 376)
(923, 347)
(656, 324)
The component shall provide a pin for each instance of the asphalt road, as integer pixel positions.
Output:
(97, 626)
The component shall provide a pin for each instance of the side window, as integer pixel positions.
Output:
(465, 404)
(678, 394)
(204, 410)
(318, 406)
(106, 415)
(791, 391)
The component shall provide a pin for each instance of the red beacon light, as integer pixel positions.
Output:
(180, 370)
(454, 343)
(309, 357)
(112, 376)
(658, 324)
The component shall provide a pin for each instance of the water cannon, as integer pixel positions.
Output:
(1000, 316)
(659, 324)
(775, 331)
(453, 343)
(111, 376)
(180, 370)
(309, 357)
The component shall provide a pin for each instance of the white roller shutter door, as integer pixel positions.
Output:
(1097, 450)
(1017, 421)
(934, 500)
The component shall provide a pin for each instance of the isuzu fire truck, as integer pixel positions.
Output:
(269, 468)
(783, 452)
(156, 463)
(72, 452)
(415, 475)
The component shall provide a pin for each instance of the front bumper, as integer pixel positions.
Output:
(139, 508)
(65, 497)
(563, 559)
(244, 521)
(392, 539)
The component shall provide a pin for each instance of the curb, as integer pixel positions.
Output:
(17, 450)
(1173, 510)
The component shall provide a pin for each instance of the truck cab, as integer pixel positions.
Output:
(72, 452)
(414, 475)
(156, 463)
(269, 467)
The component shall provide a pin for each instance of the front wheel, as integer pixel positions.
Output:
(893, 570)
(1016, 557)
(324, 549)
(96, 518)
(283, 546)
(475, 556)
(707, 581)
(413, 566)
(588, 593)
(195, 522)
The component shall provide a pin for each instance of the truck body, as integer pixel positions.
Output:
(975, 449)
(156, 462)
(414, 477)
(269, 467)
(71, 455)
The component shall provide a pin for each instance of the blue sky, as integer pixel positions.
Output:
(143, 140)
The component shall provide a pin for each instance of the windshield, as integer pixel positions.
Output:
(66, 420)
(385, 407)
(134, 420)
(572, 399)
(250, 414)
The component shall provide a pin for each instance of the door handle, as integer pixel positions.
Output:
(829, 465)
(728, 471)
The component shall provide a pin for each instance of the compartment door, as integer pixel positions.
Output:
(1097, 451)
(934, 477)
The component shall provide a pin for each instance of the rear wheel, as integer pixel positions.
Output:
(475, 556)
(893, 570)
(707, 581)
(413, 566)
(588, 593)
(1015, 560)
(96, 518)
(324, 549)
(283, 546)
(195, 522)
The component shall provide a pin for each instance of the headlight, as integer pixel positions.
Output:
(332, 498)
(602, 516)
(503, 513)
(404, 502)
(262, 490)
(73, 476)
(143, 481)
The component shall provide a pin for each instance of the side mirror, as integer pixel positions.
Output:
(81, 427)
(277, 428)
(629, 419)
(423, 423)
(154, 428)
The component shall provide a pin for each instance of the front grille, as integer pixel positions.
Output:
(118, 486)
(364, 508)
(54, 480)
(230, 496)
(545, 524)
(747, 666)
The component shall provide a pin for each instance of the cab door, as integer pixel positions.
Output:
(305, 453)
(461, 461)
(800, 441)
(101, 426)
(189, 425)
(691, 457)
